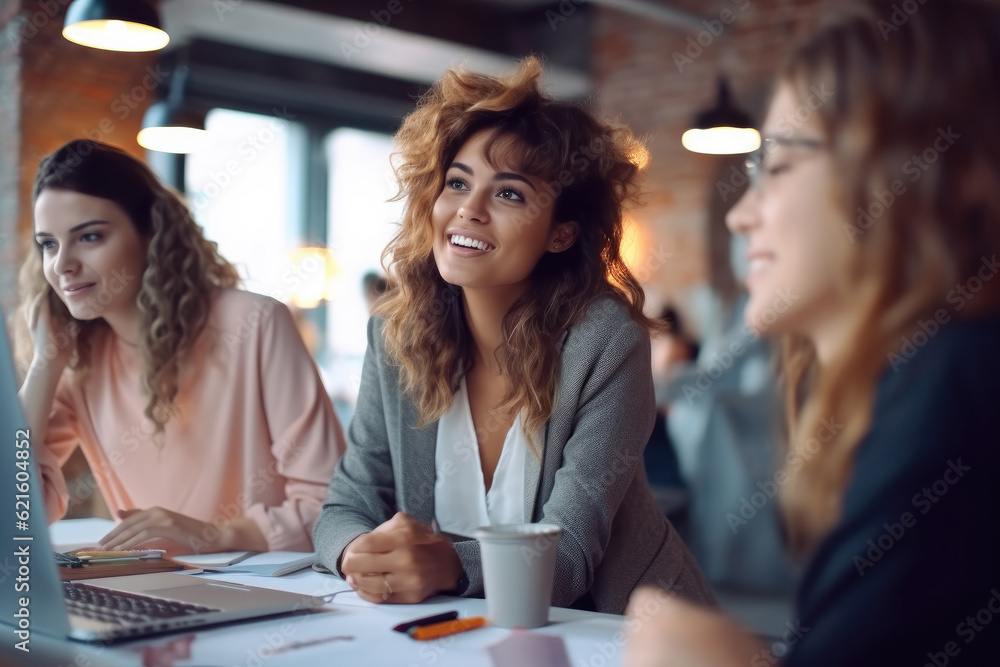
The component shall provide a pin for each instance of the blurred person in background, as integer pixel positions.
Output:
(878, 209)
(723, 419)
(670, 350)
(342, 381)
(374, 286)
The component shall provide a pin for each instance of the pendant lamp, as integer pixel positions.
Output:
(114, 25)
(169, 126)
(723, 129)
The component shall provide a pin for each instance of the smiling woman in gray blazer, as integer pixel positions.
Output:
(507, 377)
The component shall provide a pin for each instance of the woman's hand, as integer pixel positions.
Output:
(53, 342)
(160, 528)
(663, 630)
(400, 561)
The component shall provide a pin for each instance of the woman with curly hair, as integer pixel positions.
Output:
(878, 210)
(507, 378)
(196, 404)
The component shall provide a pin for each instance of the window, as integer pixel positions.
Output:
(248, 193)
(243, 193)
(360, 223)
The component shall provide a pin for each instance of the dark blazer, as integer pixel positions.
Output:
(905, 576)
(590, 480)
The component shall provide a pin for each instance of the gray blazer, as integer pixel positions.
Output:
(590, 480)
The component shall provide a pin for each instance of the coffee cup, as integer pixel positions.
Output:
(518, 567)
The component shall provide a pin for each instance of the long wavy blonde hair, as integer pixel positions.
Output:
(898, 91)
(425, 330)
(182, 272)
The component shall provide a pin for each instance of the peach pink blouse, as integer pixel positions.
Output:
(253, 433)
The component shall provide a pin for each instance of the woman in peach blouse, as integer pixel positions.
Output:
(196, 404)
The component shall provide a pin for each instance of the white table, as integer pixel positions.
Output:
(348, 632)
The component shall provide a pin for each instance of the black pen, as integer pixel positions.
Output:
(429, 620)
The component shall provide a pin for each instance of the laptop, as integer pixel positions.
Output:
(33, 599)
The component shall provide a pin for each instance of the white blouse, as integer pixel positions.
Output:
(461, 503)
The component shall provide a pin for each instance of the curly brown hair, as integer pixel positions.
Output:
(590, 167)
(183, 270)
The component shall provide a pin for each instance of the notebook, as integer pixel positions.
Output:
(269, 563)
(104, 609)
(215, 560)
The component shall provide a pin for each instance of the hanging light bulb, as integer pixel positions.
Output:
(171, 125)
(723, 129)
(114, 25)
(171, 129)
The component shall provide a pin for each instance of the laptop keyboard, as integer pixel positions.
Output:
(123, 608)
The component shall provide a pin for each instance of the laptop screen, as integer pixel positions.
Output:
(31, 596)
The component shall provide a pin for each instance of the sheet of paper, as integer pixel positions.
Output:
(270, 563)
(344, 635)
(220, 559)
(70, 534)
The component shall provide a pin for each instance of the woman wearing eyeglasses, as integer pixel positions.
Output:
(878, 216)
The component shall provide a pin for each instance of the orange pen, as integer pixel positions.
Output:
(426, 632)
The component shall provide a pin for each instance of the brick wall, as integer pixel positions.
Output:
(55, 91)
(10, 152)
(657, 78)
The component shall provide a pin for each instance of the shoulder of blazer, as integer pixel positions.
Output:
(376, 326)
(606, 321)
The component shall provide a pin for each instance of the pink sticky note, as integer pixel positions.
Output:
(524, 648)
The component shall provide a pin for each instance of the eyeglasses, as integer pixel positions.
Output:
(756, 162)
